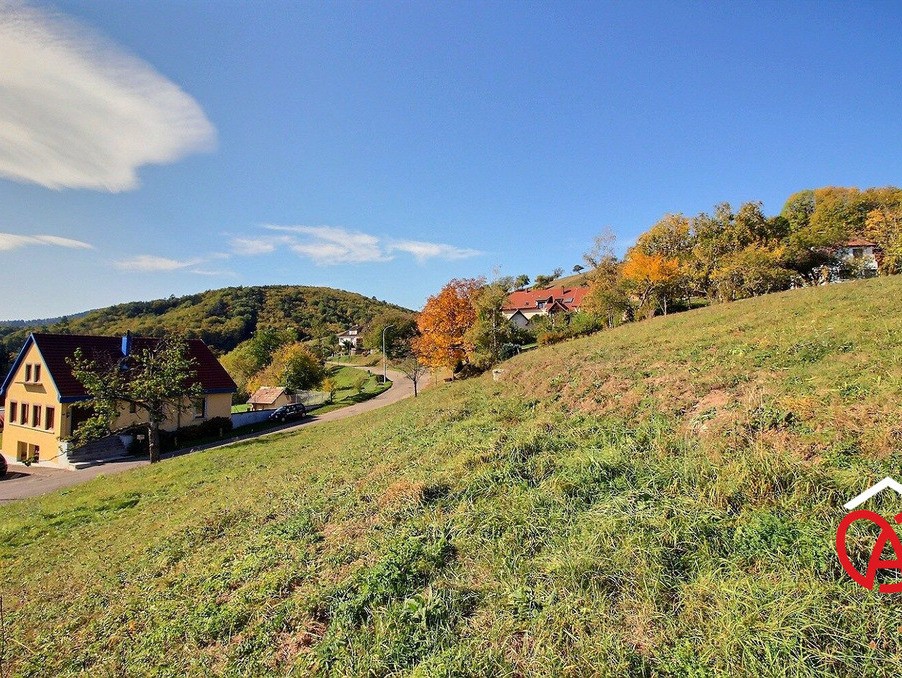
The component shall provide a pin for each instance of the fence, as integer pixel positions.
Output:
(311, 399)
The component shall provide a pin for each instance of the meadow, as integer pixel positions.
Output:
(656, 500)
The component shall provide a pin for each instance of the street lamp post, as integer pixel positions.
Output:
(385, 355)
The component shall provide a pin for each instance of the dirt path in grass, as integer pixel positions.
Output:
(24, 481)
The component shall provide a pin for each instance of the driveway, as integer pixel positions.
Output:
(32, 481)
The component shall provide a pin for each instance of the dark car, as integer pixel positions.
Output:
(289, 413)
(2, 466)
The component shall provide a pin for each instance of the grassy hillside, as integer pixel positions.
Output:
(660, 499)
(222, 318)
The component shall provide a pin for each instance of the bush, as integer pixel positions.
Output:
(211, 428)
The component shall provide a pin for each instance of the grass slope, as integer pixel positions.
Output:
(661, 499)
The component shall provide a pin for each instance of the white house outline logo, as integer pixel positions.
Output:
(872, 491)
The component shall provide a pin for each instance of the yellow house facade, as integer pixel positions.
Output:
(41, 396)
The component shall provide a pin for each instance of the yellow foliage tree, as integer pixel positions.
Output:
(650, 275)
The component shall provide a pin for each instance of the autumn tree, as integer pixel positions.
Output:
(649, 277)
(156, 380)
(444, 322)
(608, 298)
(884, 227)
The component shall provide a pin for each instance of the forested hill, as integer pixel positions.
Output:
(222, 318)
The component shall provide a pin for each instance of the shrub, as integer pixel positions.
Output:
(211, 428)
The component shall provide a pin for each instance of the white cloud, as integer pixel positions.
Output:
(213, 272)
(333, 245)
(12, 241)
(78, 112)
(149, 263)
(327, 245)
(423, 251)
(252, 246)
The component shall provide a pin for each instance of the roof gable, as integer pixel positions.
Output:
(570, 298)
(57, 349)
(266, 395)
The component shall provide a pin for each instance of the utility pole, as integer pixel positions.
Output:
(385, 355)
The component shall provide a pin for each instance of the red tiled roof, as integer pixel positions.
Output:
(859, 242)
(57, 348)
(570, 298)
(266, 395)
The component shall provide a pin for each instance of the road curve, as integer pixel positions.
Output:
(33, 481)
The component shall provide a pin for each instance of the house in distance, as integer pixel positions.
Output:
(40, 393)
(351, 339)
(524, 305)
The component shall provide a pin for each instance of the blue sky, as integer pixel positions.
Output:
(149, 149)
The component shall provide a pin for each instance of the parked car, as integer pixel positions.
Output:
(2, 466)
(289, 413)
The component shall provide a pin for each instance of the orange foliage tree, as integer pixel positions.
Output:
(650, 276)
(443, 324)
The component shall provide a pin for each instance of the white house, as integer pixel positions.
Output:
(351, 338)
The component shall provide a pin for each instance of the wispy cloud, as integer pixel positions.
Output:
(330, 245)
(423, 251)
(78, 112)
(12, 241)
(149, 263)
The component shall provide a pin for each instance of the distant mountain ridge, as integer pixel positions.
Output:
(38, 322)
(223, 318)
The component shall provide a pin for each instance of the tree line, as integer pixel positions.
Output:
(679, 263)
(731, 254)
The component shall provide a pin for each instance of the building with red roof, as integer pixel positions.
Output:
(523, 305)
(41, 392)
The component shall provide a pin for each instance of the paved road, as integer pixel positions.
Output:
(25, 481)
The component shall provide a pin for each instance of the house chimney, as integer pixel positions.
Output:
(127, 344)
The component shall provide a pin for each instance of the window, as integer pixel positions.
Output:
(13, 412)
(857, 252)
(36, 415)
(200, 408)
(132, 408)
(49, 418)
(24, 412)
(34, 453)
(28, 373)
(37, 373)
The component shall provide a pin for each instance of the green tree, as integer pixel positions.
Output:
(490, 329)
(397, 338)
(543, 281)
(156, 381)
(303, 370)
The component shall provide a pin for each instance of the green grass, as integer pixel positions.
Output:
(656, 500)
(372, 360)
